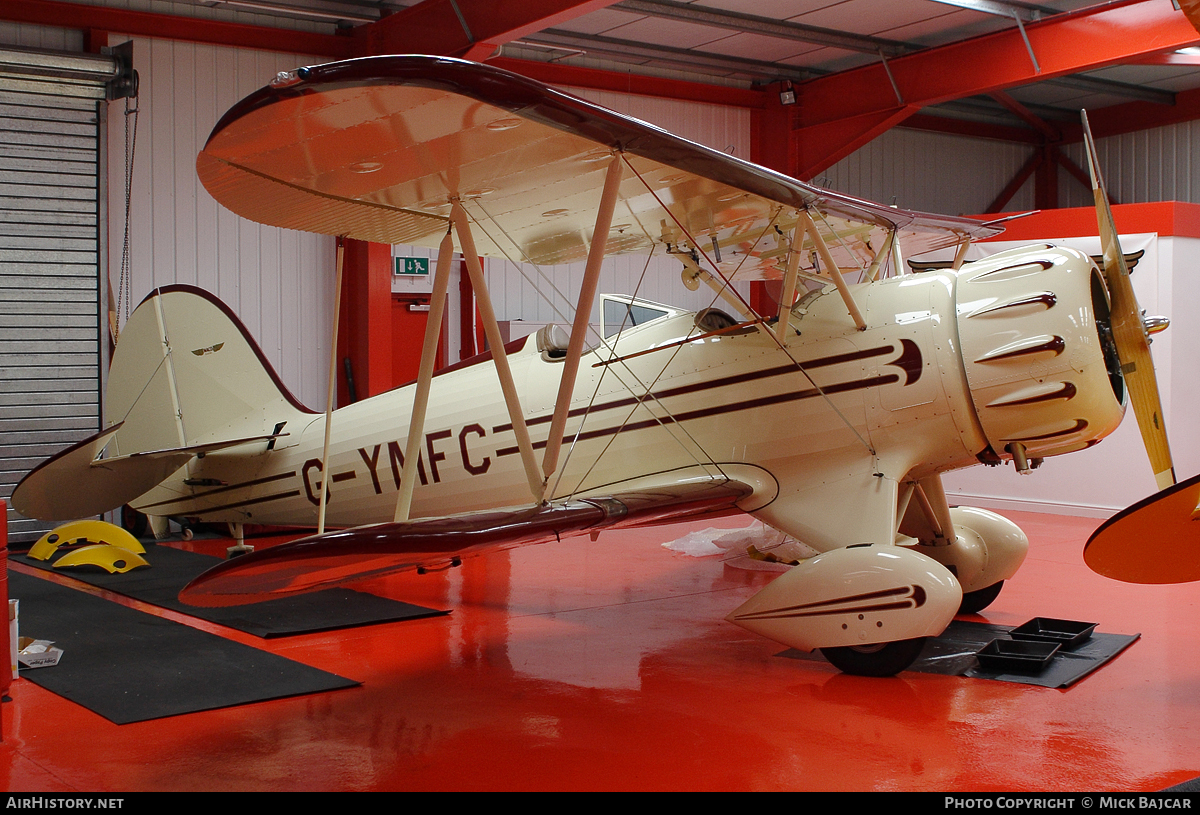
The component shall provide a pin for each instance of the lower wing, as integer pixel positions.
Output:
(334, 558)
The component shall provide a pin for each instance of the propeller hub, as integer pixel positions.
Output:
(1153, 325)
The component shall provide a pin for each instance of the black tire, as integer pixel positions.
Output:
(881, 659)
(134, 522)
(975, 601)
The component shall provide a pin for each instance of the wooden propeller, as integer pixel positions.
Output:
(1153, 541)
(1129, 332)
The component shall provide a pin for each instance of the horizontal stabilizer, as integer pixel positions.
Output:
(77, 483)
(191, 450)
(335, 558)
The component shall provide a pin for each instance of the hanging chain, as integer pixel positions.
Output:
(126, 284)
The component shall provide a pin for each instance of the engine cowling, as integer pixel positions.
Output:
(1042, 371)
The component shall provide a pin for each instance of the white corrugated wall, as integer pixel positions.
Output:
(1159, 164)
(40, 36)
(280, 282)
(932, 172)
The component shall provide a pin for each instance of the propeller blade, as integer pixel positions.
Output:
(1129, 333)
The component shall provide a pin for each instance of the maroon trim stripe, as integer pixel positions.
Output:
(248, 502)
(228, 487)
(1067, 391)
(1046, 298)
(738, 379)
(809, 393)
(1056, 344)
(911, 597)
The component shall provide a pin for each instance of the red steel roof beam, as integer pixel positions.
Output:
(817, 147)
(1135, 116)
(176, 27)
(1078, 174)
(971, 129)
(1086, 40)
(1025, 114)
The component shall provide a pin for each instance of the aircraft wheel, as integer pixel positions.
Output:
(134, 522)
(879, 659)
(976, 601)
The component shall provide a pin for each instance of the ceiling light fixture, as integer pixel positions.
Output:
(787, 94)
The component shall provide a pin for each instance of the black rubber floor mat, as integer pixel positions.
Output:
(129, 666)
(953, 654)
(171, 569)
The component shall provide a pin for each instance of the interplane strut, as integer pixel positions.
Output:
(416, 424)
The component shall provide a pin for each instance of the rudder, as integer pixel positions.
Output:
(186, 379)
(186, 372)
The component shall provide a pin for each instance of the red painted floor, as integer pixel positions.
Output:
(607, 665)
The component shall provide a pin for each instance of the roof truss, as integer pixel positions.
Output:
(840, 112)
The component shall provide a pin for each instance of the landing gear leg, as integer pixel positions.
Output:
(240, 547)
(880, 659)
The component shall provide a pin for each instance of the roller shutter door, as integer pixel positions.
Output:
(50, 295)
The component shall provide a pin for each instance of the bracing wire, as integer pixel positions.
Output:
(125, 283)
(642, 391)
(684, 230)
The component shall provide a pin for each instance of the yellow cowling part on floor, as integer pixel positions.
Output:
(91, 531)
(112, 559)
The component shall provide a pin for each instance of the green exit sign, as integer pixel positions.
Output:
(412, 266)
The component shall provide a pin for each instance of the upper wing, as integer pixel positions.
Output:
(335, 558)
(374, 148)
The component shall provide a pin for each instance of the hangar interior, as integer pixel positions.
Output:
(606, 664)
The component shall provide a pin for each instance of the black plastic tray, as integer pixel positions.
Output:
(1067, 633)
(1017, 656)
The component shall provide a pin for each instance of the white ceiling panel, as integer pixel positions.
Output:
(1062, 96)
(1140, 74)
(599, 22)
(870, 16)
(824, 57)
(712, 49)
(1186, 79)
(953, 26)
(673, 33)
(757, 46)
(772, 9)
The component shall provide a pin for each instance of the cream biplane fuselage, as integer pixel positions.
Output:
(884, 407)
(831, 420)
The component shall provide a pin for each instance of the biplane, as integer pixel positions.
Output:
(830, 417)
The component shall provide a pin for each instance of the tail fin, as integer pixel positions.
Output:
(186, 379)
(186, 372)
